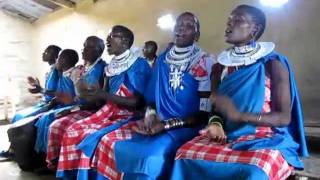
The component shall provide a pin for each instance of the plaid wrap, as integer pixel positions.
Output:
(71, 158)
(56, 131)
(270, 161)
(104, 159)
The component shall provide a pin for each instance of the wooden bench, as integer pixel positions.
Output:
(311, 170)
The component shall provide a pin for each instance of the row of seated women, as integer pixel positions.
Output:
(189, 117)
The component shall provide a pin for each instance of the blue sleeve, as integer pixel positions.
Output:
(139, 75)
(51, 83)
(52, 80)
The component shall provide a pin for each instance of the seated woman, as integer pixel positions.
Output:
(261, 134)
(67, 60)
(126, 77)
(92, 78)
(179, 90)
(90, 75)
(49, 55)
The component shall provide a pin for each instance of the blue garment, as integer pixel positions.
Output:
(65, 85)
(290, 141)
(135, 79)
(51, 82)
(151, 157)
(201, 169)
(95, 75)
(30, 111)
(43, 125)
(51, 85)
(89, 143)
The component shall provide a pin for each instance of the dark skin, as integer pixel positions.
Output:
(64, 65)
(92, 50)
(49, 56)
(241, 30)
(149, 51)
(117, 44)
(185, 34)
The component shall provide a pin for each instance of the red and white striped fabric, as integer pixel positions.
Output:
(270, 161)
(202, 148)
(56, 131)
(71, 158)
(104, 160)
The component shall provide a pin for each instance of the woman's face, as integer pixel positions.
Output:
(62, 64)
(91, 50)
(240, 29)
(185, 31)
(115, 43)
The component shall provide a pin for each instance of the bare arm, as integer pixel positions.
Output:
(135, 101)
(280, 92)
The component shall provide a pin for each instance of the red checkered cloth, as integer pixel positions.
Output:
(57, 129)
(202, 148)
(270, 161)
(71, 158)
(103, 159)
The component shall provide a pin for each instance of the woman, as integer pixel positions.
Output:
(126, 76)
(66, 87)
(260, 133)
(52, 77)
(146, 149)
(91, 75)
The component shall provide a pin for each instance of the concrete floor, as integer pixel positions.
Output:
(10, 170)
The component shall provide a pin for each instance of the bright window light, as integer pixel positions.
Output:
(166, 22)
(273, 3)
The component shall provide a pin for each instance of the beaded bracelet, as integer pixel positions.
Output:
(217, 123)
(216, 120)
(259, 117)
(173, 123)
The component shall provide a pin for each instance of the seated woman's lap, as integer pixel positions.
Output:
(201, 169)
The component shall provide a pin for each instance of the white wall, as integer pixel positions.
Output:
(16, 57)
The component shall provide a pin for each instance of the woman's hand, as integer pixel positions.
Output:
(150, 125)
(215, 132)
(64, 98)
(35, 83)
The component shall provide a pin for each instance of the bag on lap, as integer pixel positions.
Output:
(22, 136)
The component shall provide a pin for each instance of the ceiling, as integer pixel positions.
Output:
(32, 10)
